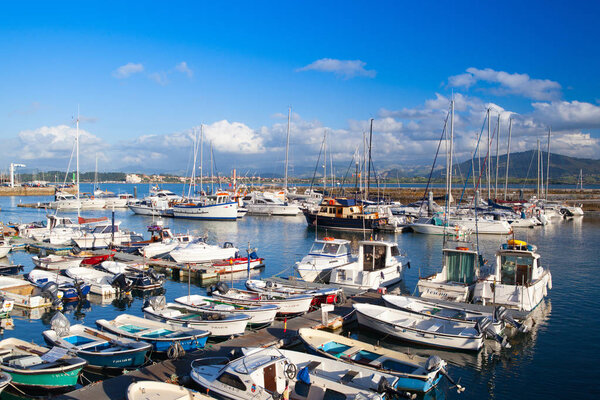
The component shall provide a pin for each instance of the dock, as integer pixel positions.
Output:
(279, 334)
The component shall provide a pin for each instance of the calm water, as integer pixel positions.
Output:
(556, 360)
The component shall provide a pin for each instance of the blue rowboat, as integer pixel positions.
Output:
(164, 337)
(102, 350)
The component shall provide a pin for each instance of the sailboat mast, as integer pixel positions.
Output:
(497, 158)
(489, 150)
(507, 157)
(77, 162)
(449, 194)
(369, 166)
(325, 160)
(96, 174)
(201, 155)
(538, 168)
(287, 149)
(548, 164)
(193, 177)
(212, 178)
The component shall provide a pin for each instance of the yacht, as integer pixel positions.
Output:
(266, 203)
(68, 201)
(343, 214)
(212, 207)
(112, 200)
(199, 251)
(324, 255)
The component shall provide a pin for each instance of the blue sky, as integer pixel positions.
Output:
(144, 74)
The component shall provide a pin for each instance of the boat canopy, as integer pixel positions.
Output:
(330, 248)
(460, 266)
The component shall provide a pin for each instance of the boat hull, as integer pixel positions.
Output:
(225, 211)
(342, 224)
(63, 379)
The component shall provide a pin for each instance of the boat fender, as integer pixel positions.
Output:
(291, 370)
(175, 351)
(222, 287)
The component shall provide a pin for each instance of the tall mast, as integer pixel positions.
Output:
(548, 164)
(497, 157)
(212, 178)
(449, 194)
(325, 161)
(507, 157)
(538, 168)
(96, 174)
(193, 177)
(489, 150)
(287, 149)
(77, 157)
(201, 155)
(369, 166)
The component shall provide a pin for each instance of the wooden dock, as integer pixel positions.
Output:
(279, 334)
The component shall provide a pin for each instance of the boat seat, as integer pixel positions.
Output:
(312, 365)
(435, 326)
(348, 376)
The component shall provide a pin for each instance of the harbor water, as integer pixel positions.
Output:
(558, 359)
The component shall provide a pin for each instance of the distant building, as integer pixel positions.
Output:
(133, 178)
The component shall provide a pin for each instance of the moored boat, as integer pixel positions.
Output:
(70, 288)
(55, 262)
(325, 254)
(27, 295)
(153, 390)
(199, 251)
(320, 295)
(343, 214)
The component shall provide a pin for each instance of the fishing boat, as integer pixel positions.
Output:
(27, 295)
(260, 316)
(456, 313)
(102, 350)
(420, 329)
(211, 207)
(288, 305)
(55, 262)
(379, 264)
(268, 373)
(101, 283)
(320, 295)
(36, 368)
(71, 289)
(518, 280)
(343, 214)
(164, 337)
(324, 255)
(460, 271)
(199, 251)
(153, 390)
(416, 374)
(217, 323)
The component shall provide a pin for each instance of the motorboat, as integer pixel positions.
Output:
(435, 225)
(324, 255)
(269, 373)
(101, 283)
(342, 214)
(164, 337)
(55, 262)
(67, 201)
(27, 295)
(103, 236)
(5, 246)
(112, 200)
(141, 278)
(420, 329)
(211, 207)
(153, 207)
(71, 289)
(379, 264)
(260, 316)
(415, 373)
(198, 251)
(266, 203)
(517, 281)
(320, 295)
(218, 324)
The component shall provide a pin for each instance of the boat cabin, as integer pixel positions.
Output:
(343, 208)
(330, 247)
(376, 255)
(461, 265)
(254, 373)
(517, 264)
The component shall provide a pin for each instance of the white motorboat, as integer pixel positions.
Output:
(70, 288)
(266, 203)
(424, 330)
(199, 251)
(212, 207)
(435, 225)
(102, 236)
(379, 264)
(218, 324)
(482, 225)
(152, 207)
(264, 374)
(112, 200)
(27, 295)
(55, 262)
(518, 280)
(101, 283)
(323, 295)
(325, 254)
(68, 201)
(5, 246)
(288, 305)
(259, 315)
(460, 271)
(153, 390)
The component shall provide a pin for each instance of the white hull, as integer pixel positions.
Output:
(152, 211)
(290, 306)
(448, 291)
(100, 282)
(226, 211)
(430, 229)
(159, 248)
(96, 241)
(22, 293)
(115, 203)
(351, 278)
(152, 390)
(484, 226)
(198, 253)
(82, 204)
(54, 262)
(274, 210)
(524, 298)
(4, 250)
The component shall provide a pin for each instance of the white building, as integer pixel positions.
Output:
(133, 178)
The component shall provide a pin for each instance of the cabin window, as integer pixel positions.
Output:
(330, 248)
(515, 270)
(460, 267)
(373, 257)
(343, 249)
(333, 395)
(232, 380)
(331, 210)
(395, 251)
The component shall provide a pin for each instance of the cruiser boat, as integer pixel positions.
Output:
(435, 225)
(343, 214)
(68, 201)
(102, 236)
(213, 207)
(268, 373)
(460, 271)
(379, 264)
(324, 255)
(266, 203)
(518, 280)
(153, 207)
(199, 251)
(112, 200)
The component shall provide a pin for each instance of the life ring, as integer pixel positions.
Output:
(328, 239)
(331, 202)
(462, 248)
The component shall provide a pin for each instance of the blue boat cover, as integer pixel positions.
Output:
(304, 376)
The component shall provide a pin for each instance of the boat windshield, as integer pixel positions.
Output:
(515, 269)
(460, 266)
(325, 248)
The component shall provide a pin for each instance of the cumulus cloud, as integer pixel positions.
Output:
(343, 68)
(159, 77)
(507, 83)
(183, 68)
(563, 115)
(125, 71)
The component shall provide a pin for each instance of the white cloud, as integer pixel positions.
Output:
(159, 77)
(183, 68)
(507, 83)
(125, 71)
(568, 114)
(344, 68)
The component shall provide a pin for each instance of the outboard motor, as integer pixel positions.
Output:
(436, 363)
(502, 314)
(157, 302)
(78, 284)
(211, 289)
(155, 276)
(384, 387)
(60, 324)
(50, 292)
(485, 327)
(222, 287)
(121, 283)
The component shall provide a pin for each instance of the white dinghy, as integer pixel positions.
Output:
(152, 390)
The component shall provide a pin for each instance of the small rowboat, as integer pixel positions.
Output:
(218, 324)
(260, 316)
(288, 305)
(420, 329)
(34, 367)
(415, 373)
(102, 350)
(152, 390)
(163, 337)
(320, 296)
(54, 262)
